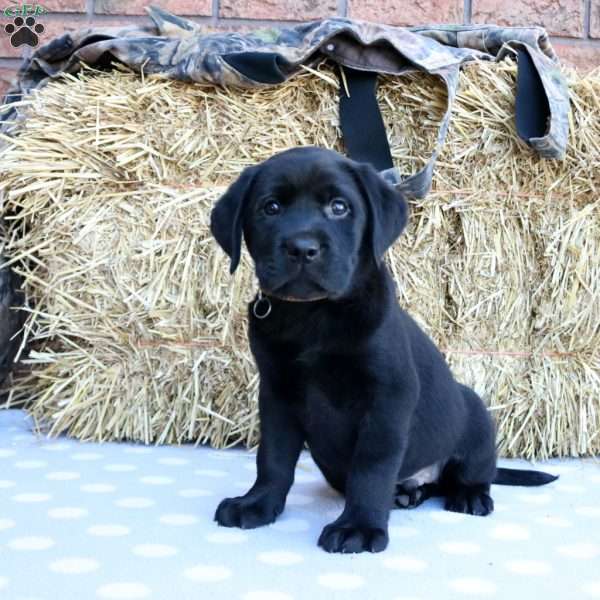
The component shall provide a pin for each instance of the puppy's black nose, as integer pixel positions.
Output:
(303, 248)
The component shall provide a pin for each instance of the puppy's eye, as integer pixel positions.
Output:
(338, 207)
(272, 208)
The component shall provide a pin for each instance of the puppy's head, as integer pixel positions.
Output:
(310, 219)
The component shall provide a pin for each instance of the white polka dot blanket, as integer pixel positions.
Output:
(119, 521)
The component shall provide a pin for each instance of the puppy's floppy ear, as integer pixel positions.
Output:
(226, 218)
(386, 206)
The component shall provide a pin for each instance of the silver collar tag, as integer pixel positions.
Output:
(262, 306)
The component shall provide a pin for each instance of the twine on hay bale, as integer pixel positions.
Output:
(137, 330)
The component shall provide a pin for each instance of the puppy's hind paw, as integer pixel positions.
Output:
(352, 539)
(408, 498)
(470, 501)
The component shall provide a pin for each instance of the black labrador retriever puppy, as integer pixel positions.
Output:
(342, 366)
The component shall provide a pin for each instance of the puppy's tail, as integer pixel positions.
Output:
(522, 477)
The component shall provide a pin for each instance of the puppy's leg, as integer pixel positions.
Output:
(380, 448)
(467, 478)
(280, 445)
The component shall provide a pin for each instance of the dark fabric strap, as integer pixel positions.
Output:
(264, 67)
(361, 123)
(532, 110)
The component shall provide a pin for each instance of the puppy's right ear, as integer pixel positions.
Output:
(226, 218)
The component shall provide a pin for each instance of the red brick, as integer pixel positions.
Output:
(6, 76)
(228, 27)
(284, 10)
(583, 58)
(558, 17)
(136, 7)
(56, 28)
(393, 12)
(595, 19)
(64, 5)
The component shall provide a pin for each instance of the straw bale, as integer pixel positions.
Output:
(138, 332)
(515, 269)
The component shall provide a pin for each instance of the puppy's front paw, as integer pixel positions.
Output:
(248, 512)
(350, 538)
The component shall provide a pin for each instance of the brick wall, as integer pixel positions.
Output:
(573, 24)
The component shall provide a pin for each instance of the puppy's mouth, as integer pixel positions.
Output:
(296, 299)
(298, 290)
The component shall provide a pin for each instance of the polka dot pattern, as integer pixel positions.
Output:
(195, 493)
(72, 566)
(98, 488)
(295, 499)
(402, 531)
(126, 521)
(593, 512)
(267, 595)
(291, 525)
(31, 543)
(341, 580)
(460, 548)
(553, 521)
(63, 475)
(68, 512)
(510, 532)
(179, 520)
(528, 567)
(120, 468)
(135, 502)
(31, 498)
(157, 480)
(581, 550)
(210, 473)
(6, 524)
(208, 573)
(447, 517)
(405, 563)
(123, 590)
(86, 456)
(154, 550)
(173, 461)
(281, 558)
(30, 464)
(473, 586)
(108, 530)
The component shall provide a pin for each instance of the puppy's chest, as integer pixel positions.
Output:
(333, 400)
(332, 380)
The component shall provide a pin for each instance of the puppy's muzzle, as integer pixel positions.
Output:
(302, 248)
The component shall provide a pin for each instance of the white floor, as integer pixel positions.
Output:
(119, 521)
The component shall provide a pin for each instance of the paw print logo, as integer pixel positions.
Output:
(24, 31)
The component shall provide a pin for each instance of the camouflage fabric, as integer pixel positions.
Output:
(178, 48)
